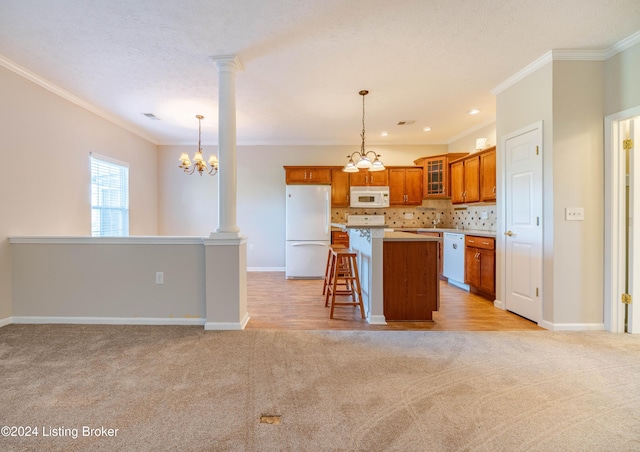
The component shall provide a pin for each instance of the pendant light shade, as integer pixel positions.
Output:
(360, 159)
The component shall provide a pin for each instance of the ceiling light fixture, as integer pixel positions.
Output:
(384, 134)
(427, 129)
(198, 160)
(362, 161)
(474, 111)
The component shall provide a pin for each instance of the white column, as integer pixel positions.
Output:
(226, 248)
(227, 67)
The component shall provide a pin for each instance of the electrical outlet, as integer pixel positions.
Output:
(159, 277)
(484, 215)
(408, 216)
(574, 213)
(251, 247)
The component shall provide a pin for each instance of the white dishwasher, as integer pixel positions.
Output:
(453, 267)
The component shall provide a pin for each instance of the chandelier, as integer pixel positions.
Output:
(198, 160)
(360, 159)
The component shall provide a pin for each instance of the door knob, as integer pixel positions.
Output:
(509, 233)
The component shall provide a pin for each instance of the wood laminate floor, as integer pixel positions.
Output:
(274, 302)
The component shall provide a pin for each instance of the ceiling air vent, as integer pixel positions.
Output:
(151, 116)
(408, 122)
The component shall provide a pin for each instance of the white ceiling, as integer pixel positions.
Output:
(305, 60)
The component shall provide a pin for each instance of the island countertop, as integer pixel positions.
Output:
(400, 236)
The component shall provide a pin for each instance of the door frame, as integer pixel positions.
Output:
(614, 224)
(501, 205)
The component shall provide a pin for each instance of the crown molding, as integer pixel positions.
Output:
(622, 45)
(55, 89)
(568, 55)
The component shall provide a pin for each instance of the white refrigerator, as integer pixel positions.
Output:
(308, 230)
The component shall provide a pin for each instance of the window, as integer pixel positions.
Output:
(109, 197)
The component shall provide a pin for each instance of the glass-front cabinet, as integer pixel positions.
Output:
(436, 182)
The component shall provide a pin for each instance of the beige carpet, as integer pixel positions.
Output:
(182, 388)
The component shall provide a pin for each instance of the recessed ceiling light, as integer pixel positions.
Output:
(474, 111)
(427, 129)
(384, 134)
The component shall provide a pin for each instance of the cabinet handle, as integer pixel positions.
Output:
(305, 174)
(478, 257)
(310, 175)
(493, 190)
(471, 241)
(485, 243)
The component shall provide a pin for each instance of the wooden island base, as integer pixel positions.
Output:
(410, 280)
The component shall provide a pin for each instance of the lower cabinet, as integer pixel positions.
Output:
(480, 264)
(340, 237)
(410, 283)
(440, 250)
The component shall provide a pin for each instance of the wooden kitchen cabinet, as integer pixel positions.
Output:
(313, 175)
(480, 264)
(340, 237)
(488, 175)
(436, 180)
(465, 180)
(405, 186)
(365, 178)
(410, 286)
(339, 188)
(440, 250)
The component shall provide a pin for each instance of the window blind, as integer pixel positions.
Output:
(109, 197)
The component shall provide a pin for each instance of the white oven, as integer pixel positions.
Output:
(373, 197)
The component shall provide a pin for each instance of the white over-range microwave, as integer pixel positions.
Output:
(372, 197)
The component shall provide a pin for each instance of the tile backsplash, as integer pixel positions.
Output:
(446, 215)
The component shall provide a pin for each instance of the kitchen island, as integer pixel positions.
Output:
(398, 273)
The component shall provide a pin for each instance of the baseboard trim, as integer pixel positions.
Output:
(498, 304)
(266, 269)
(459, 285)
(109, 320)
(225, 326)
(5, 322)
(377, 320)
(571, 326)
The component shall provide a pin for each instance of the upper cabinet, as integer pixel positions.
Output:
(405, 186)
(369, 178)
(473, 178)
(317, 175)
(436, 178)
(488, 175)
(339, 188)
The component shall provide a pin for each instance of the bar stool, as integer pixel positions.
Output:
(328, 272)
(344, 273)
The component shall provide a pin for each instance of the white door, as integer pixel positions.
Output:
(523, 223)
(632, 132)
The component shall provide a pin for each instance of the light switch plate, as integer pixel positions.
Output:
(574, 213)
(484, 215)
(408, 216)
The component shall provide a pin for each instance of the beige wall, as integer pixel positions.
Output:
(521, 105)
(108, 281)
(188, 204)
(44, 179)
(567, 96)
(621, 75)
(468, 142)
(578, 181)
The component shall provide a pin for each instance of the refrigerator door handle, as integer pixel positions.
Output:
(307, 244)
(327, 212)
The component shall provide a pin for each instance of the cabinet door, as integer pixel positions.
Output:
(456, 171)
(365, 178)
(471, 267)
(319, 175)
(472, 179)
(358, 179)
(488, 176)
(397, 178)
(413, 186)
(487, 280)
(339, 188)
(296, 176)
(435, 180)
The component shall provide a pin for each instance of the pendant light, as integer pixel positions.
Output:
(360, 159)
